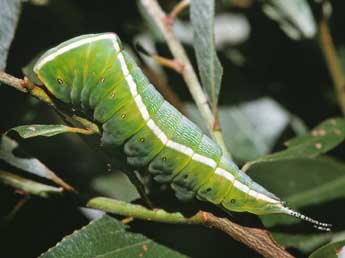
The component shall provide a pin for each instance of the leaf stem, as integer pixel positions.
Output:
(28, 186)
(329, 52)
(188, 73)
(255, 238)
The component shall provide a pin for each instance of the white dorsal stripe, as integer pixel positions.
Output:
(71, 46)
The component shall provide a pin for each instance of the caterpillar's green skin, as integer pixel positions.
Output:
(94, 73)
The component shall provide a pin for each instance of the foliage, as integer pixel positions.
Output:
(265, 88)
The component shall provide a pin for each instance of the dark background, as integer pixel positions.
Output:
(291, 72)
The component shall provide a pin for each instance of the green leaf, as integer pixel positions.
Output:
(32, 165)
(210, 69)
(29, 131)
(294, 17)
(301, 178)
(331, 250)
(321, 139)
(250, 129)
(9, 15)
(116, 185)
(28, 186)
(302, 183)
(107, 237)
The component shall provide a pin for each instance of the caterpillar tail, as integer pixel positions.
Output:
(316, 224)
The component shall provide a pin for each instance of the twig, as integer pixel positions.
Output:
(188, 73)
(258, 239)
(182, 5)
(26, 86)
(329, 52)
(13, 81)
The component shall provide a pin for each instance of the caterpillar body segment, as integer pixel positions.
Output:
(97, 76)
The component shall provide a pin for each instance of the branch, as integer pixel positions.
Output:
(26, 86)
(188, 73)
(12, 81)
(258, 239)
(329, 52)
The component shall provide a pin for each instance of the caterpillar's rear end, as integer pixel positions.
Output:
(94, 74)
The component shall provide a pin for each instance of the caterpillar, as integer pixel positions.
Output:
(94, 74)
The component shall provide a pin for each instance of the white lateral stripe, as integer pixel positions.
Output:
(116, 45)
(157, 131)
(266, 198)
(142, 108)
(253, 193)
(226, 174)
(241, 187)
(180, 148)
(205, 160)
(123, 65)
(132, 85)
(72, 46)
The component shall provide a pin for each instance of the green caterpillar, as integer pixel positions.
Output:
(94, 74)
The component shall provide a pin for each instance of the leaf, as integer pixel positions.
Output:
(251, 129)
(9, 15)
(117, 186)
(302, 177)
(210, 69)
(294, 17)
(28, 186)
(305, 184)
(332, 250)
(107, 237)
(30, 131)
(321, 139)
(32, 165)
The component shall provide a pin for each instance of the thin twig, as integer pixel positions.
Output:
(258, 239)
(327, 46)
(24, 85)
(182, 5)
(188, 73)
(12, 81)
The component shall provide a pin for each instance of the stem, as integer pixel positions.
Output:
(140, 212)
(12, 81)
(258, 239)
(188, 73)
(28, 186)
(327, 46)
(182, 5)
(26, 86)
